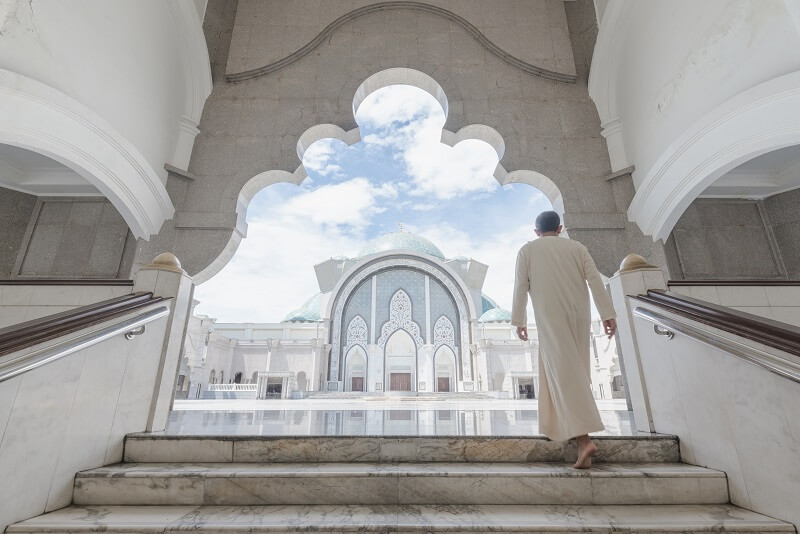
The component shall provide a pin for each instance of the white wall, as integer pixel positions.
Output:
(70, 415)
(666, 75)
(729, 414)
(124, 60)
(683, 58)
(781, 303)
(20, 303)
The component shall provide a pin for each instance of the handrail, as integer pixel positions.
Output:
(774, 334)
(771, 362)
(19, 336)
(65, 282)
(27, 362)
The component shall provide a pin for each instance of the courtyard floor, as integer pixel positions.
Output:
(372, 417)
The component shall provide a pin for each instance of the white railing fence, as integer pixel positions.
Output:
(232, 387)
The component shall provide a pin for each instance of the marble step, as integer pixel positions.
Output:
(409, 518)
(260, 449)
(398, 483)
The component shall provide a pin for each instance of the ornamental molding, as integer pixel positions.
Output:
(396, 5)
(349, 284)
(400, 318)
(42, 119)
(443, 333)
(756, 121)
(357, 332)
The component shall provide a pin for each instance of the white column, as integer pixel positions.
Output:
(165, 278)
(372, 334)
(635, 277)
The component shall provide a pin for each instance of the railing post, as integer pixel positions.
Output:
(165, 278)
(635, 276)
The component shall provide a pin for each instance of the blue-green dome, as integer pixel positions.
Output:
(496, 315)
(487, 303)
(307, 313)
(401, 241)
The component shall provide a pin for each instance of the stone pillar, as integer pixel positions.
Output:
(634, 277)
(164, 277)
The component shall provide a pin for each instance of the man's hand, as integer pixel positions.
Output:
(522, 333)
(610, 326)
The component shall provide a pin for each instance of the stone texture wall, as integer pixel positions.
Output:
(736, 239)
(253, 126)
(15, 212)
(784, 215)
(72, 238)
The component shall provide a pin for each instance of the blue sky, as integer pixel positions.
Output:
(398, 172)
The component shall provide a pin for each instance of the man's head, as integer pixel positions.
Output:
(548, 223)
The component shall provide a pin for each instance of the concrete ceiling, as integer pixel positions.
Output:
(33, 173)
(761, 177)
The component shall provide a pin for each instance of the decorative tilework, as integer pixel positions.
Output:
(404, 265)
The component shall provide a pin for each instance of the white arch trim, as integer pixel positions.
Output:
(40, 118)
(759, 120)
(400, 76)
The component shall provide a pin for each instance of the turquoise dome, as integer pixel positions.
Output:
(307, 313)
(496, 315)
(487, 303)
(401, 241)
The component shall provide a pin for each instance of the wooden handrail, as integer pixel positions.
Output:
(22, 335)
(65, 282)
(771, 333)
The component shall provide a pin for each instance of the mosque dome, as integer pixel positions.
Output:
(401, 241)
(307, 313)
(487, 303)
(496, 315)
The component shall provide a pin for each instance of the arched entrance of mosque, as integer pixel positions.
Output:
(444, 363)
(355, 370)
(400, 357)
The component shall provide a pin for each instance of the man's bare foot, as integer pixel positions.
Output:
(586, 449)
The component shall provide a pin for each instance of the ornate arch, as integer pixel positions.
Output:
(400, 318)
(447, 278)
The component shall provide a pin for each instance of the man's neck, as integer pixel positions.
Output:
(549, 234)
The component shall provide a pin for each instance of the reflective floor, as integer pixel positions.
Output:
(371, 418)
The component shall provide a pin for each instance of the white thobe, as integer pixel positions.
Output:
(554, 271)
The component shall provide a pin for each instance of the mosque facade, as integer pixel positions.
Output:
(400, 318)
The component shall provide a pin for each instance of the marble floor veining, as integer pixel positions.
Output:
(362, 417)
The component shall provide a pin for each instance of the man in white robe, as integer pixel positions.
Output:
(554, 271)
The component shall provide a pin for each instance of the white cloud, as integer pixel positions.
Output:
(350, 203)
(410, 121)
(317, 159)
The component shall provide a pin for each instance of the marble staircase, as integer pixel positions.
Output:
(263, 484)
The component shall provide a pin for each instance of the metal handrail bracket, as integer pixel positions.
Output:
(27, 362)
(664, 326)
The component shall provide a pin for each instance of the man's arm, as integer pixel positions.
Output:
(522, 285)
(602, 300)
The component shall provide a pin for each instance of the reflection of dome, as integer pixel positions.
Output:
(307, 313)
(401, 241)
(496, 315)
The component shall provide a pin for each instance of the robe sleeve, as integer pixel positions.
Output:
(602, 300)
(522, 284)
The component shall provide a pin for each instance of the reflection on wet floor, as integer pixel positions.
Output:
(375, 422)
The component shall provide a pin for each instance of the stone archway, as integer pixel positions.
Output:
(375, 82)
